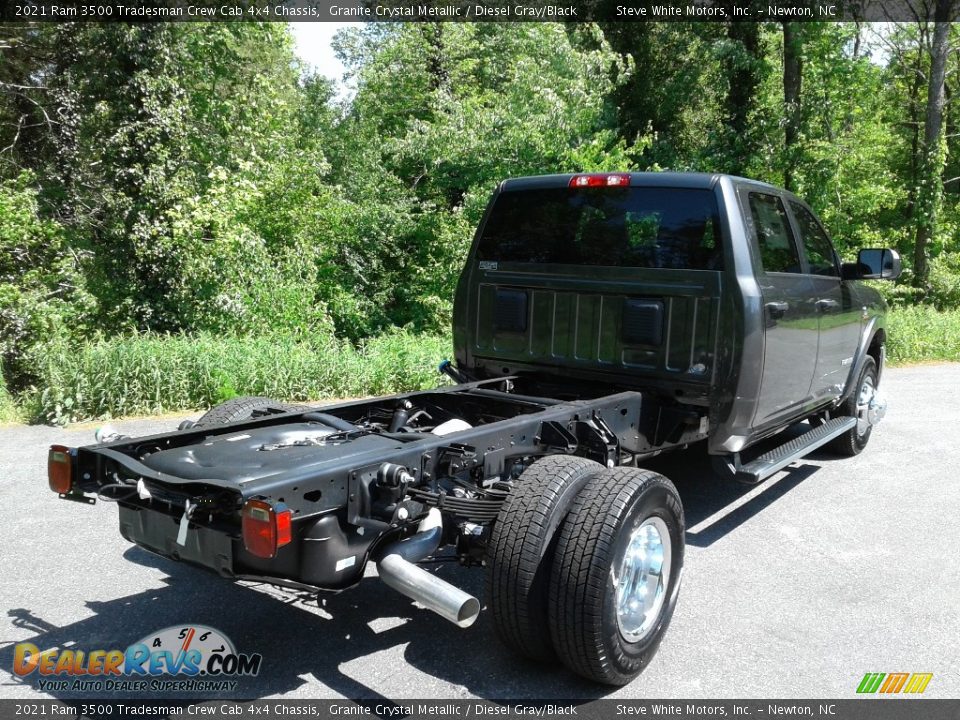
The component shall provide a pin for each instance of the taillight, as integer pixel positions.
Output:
(60, 469)
(600, 180)
(265, 528)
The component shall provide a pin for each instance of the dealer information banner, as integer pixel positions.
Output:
(469, 10)
(415, 709)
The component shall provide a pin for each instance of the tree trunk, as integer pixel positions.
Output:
(914, 105)
(636, 114)
(744, 78)
(792, 85)
(930, 192)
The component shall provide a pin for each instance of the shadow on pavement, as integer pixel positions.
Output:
(714, 506)
(303, 646)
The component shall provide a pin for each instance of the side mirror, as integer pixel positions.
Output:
(874, 264)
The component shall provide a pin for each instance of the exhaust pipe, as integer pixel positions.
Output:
(397, 569)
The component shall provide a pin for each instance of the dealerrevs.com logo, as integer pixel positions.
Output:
(187, 658)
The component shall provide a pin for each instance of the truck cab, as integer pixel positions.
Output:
(713, 293)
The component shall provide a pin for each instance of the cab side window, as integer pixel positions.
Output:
(816, 245)
(775, 244)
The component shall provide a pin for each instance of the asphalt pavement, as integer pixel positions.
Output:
(793, 588)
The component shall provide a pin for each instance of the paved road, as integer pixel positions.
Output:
(795, 588)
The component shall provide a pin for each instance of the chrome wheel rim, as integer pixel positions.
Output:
(865, 397)
(641, 579)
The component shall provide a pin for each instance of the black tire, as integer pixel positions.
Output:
(244, 408)
(586, 632)
(855, 440)
(520, 550)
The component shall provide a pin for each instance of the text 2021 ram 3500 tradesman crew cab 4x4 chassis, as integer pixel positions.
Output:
(600, 320)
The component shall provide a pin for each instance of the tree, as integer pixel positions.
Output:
(743, 65)
(429, 134)
(29, 116)
(792, 89)
(933, 157)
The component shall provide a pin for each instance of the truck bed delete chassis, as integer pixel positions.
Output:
(357, 485)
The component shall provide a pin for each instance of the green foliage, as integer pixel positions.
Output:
(141, 374)
(670, 91)
(440, 116)
(184, 137)
(9, 412)
(164, 185)
(42, 293)
(942, 293)
(916, 334)
(844, 171)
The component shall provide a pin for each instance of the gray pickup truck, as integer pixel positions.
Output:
(601, 319)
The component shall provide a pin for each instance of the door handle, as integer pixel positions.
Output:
(777, 309)
(826, 305)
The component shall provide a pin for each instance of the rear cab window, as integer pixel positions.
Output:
(638, 227)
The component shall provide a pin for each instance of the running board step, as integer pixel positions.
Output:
(778, 458)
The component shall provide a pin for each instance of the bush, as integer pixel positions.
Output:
(143, 374)
(921, 333)
(41, 288)
(8, 410)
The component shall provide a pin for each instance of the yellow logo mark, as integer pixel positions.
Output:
(918, 682)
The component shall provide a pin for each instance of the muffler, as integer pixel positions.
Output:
(397, 569)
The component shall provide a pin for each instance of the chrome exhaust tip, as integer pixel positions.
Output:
(448, 601)
(397, 569)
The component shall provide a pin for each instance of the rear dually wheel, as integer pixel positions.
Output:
(520, 550)
(616, 574)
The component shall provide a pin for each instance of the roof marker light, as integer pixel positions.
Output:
(600, 180)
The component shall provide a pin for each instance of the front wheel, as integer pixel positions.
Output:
(866, 405)
(616, 574)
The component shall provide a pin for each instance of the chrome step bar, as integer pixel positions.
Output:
(774, 460)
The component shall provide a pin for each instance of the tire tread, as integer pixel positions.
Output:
(240, 408)
(848, 444)
(519, 552)
(582, 565)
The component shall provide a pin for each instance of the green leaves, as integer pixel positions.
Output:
(144, 374)
(187, 179)
(42, 292)
(442, 113)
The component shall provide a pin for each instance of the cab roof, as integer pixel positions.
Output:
(689, 180)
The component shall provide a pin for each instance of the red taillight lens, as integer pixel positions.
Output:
(60, 469)
(600, 180)
(283, 527)
(265, 528)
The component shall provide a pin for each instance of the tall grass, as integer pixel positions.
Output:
(148, 374)
(8, 410)
(919, 333)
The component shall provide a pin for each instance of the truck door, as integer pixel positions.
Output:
(790, 315)
(838, 317)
